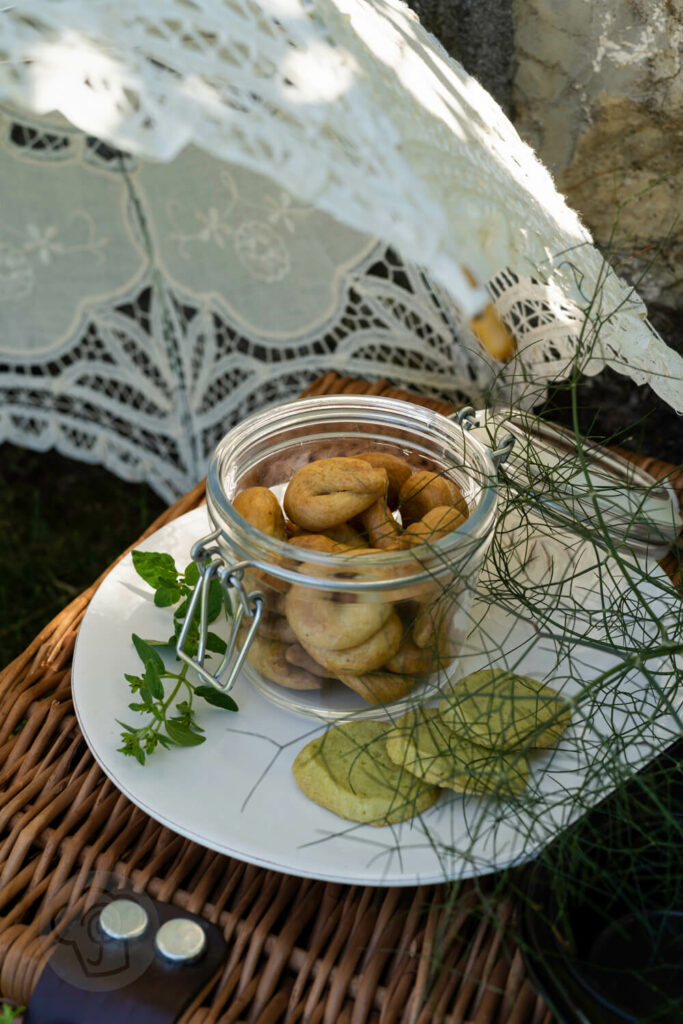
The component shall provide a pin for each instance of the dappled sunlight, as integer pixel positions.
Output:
(353, 107)
(400, 56)
(74, 74)
(470, 115)
(321, 73)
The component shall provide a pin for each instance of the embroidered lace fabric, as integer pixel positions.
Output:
(203, 207)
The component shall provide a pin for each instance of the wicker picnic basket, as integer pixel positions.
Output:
(298, 949)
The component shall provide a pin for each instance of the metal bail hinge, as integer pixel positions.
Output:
(502, 450)
(466, 417)
(470, 419)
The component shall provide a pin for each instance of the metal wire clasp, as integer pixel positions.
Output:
(465, 417)
(469, 419)
(502, 450)
(250, 605)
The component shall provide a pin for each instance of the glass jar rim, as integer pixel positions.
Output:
(267, 553)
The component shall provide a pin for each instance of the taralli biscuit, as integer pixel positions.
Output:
(276, 627)
(329, 492)
(341, 506)
(434, 525)
(504, 711)
(296, 655)
(413, 660)
(379, 525)
(260, 507)
(348, 771)
(272, 588)
(426, 490)
(423, 745)
(397, 471)
(318, 620)
(378, 687)
(268, 658)
(318, 542)
(346, 535)
(291, 529)
(369, 568)
(431, 627)
(364, 657)
(275, 602)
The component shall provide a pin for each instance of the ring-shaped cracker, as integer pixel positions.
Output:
(378, 687)
(328, 492)
(426, 490)
(261, 509)
(397, 471)
(268, 658)
(380, 526)
(434, 525)
(296, 655)
(412, 660)
(363, 657)
(318, 619)
(276, 627)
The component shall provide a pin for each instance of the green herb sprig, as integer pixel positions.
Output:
(10, 1013)
(171, 719)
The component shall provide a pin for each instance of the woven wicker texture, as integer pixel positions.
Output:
(299, 950)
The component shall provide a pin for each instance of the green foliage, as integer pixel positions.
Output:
(171, 718)
(9, 1013)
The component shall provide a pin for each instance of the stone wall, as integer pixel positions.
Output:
(596, 87)
(598, 92)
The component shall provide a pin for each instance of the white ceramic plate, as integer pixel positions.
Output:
(236, 793)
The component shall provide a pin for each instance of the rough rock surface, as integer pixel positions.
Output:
(597, 89)
(598, 92)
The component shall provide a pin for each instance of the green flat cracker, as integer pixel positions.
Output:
(426, 747)
(348, 771)
(504, 711)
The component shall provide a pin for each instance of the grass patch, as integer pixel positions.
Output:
(61, 524)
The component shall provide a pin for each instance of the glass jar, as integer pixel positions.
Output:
(389, 623)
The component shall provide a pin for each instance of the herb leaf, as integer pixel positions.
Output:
(165, 596)
(213, 696)
(215, 643)
(169, 710)
(215, 600)
(156, 569)
(147, 653)
(191, 574)
(153, 680)
(182, 734)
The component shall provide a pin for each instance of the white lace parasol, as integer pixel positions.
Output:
(337, 186)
